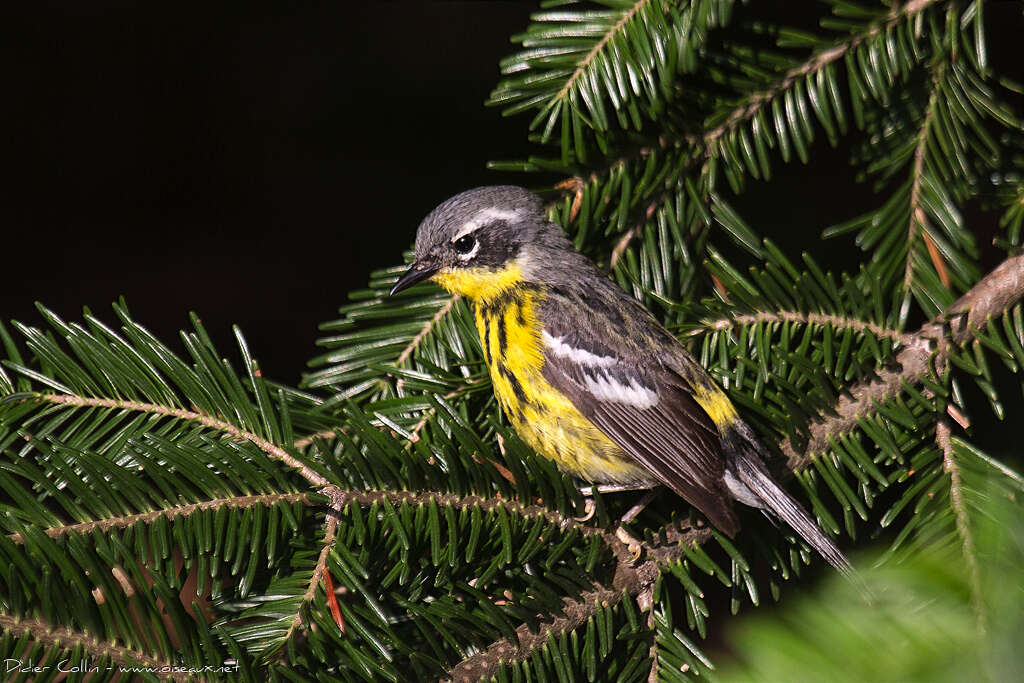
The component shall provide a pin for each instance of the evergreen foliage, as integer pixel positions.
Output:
(384, 523)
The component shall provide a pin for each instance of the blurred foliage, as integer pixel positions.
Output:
(933, 617)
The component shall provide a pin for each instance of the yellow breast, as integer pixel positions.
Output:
(506, 311)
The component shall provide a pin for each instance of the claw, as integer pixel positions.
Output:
(630, 542)
(589, 509)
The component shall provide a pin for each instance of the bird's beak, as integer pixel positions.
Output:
(418, 273)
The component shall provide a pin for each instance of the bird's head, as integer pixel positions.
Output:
(477, 243)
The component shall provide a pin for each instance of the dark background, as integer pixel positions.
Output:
(254, 163)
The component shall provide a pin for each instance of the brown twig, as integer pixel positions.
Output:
(992, 295)
(818, 61)
(422, 334)
(236, 433)
(68, 639)
(320, 570)
(956, 500)
(918, 218)
(629, 580)
(809, 319)
(306, 441)
(169, 513)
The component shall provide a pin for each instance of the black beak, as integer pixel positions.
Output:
(418, 273)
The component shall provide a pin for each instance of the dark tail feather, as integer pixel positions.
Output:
(749, 470)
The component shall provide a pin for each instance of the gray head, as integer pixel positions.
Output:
(477, 234)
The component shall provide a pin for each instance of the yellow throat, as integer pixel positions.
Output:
(480, 284)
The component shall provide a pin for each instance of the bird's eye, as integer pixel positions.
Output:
(464, 244)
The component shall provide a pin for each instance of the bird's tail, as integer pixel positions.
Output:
(756, 478)
(746, 466)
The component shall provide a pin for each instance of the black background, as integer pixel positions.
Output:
(254, 163)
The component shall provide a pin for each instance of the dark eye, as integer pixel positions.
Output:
(464, 244)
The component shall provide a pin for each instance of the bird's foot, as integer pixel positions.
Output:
(631, 542)
(588, 510)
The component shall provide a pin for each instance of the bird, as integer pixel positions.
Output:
(586, 375)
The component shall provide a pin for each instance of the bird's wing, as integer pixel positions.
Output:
(645, 408)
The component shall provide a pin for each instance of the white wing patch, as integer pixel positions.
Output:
(610, 389)
(484, 217)
(602, 385)
(582, 356)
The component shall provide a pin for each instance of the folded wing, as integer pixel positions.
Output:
(644, 408)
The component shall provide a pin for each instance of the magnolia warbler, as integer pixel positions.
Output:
(585, 374)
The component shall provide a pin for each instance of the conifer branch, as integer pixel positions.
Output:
(340, 498)
(169, 514)
(799, 317)
(918, 217)
(992, 295)
(652, 677)
(414, 433)
(702, 144)
(330, 529)
(67, 639)
(629, 580)
(581, 67)
(963, 529)
(484, 665)
(306, 441)
(237, 434)
(422, 334)
(818, 61)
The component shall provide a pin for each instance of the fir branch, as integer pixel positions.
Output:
(956, 500)
(330, 529)
(836, 321)
(422, 334)
(340, 498)
(169, 514)
(918, 217)
(629, 580)
(484, 665)
(581, 67)
(701, 145)
(651, 207)
(992, 295)
(306, 441)
(237, 434)
(818, 61)
(67, 639)
(652, 677)
(414, 433)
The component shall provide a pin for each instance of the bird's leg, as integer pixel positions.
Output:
(639, 507)
(625, 536)
(620, 532)
(588, 493)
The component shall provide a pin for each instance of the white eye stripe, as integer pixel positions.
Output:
(482, 218)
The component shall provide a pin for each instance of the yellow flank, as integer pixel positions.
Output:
(715, 403)
(505, 311)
